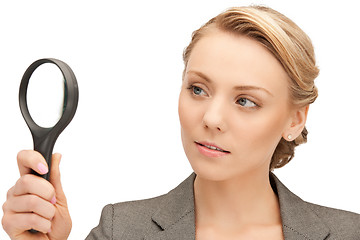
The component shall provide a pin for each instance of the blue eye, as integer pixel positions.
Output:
(197, 90)
(246, 102)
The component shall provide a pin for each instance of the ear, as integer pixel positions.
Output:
(296, 124)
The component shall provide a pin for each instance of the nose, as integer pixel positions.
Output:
(214, 117)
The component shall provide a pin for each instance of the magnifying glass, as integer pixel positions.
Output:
(48, 99)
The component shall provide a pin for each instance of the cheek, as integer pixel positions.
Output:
(189, 115)
(261, 131)
(183, 114)
(271, 124)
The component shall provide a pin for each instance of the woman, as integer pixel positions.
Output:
(247, 86)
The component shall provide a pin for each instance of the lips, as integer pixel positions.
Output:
(210, 149)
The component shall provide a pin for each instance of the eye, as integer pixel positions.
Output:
(197, 90)
(246, 102)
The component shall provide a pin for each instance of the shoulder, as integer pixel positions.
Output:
(313, 221)
(139, 211)
(340, 221)
(148, 217)
(117, 219)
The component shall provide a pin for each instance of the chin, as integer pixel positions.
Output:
(211, 173)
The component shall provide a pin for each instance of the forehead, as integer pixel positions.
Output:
(235, 59)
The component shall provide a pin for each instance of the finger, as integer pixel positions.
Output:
(31, 184)
(18, 223)
(29, 159)
(55, 179)
(30, 204)
(10, 193)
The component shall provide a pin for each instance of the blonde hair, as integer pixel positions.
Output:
(288, 43)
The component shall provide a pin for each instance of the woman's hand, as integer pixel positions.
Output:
(34, 203)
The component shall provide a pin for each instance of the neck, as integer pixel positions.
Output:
(246, 200)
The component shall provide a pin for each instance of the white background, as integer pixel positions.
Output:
(124, 142)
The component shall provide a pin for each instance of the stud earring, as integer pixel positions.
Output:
(289, 136)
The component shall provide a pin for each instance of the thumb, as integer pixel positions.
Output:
(55, 178)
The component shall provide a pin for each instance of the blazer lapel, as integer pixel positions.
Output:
(298, 220)
(176, 215)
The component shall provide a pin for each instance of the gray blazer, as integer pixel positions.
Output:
(171, 216)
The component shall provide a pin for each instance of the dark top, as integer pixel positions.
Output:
(171, 216)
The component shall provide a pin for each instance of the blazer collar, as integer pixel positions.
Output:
(298, 219)
(176, 215)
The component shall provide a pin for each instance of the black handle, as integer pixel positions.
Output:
(44, 146)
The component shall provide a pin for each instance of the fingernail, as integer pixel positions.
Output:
(49, 230)
(42, 168)
(53, 200)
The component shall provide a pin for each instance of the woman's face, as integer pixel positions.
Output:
(234, 106)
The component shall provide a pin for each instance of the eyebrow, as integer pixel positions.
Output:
(244, 87)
